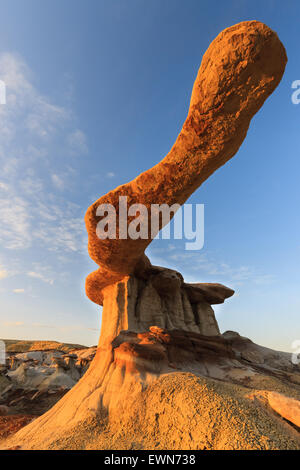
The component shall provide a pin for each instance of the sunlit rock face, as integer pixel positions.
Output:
(240, 69)
(162, 299)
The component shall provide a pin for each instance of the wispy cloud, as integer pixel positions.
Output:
(58, 181)
(77, 142)
(40, 276)
(34, 113)
(13, 323)
(3, 186)
(33, 131)
(202, 267)
(19, 291)
(15, 216)
(3, 273)
(44, 272)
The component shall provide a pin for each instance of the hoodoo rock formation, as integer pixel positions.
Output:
(160, 344)
(160, 298)
(240, 69)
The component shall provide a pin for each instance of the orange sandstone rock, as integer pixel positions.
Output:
(240, 69)
(287, 407)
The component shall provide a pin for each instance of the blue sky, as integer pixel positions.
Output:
(97, 92)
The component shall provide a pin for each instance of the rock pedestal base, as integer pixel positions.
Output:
(161, 299)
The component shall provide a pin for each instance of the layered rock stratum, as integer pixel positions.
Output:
(163, 376)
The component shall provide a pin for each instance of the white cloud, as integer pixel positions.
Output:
(77, 142)
(265, 279)
(32, 185)
(19, 291)
(25, 106)
(171, 247)
(3, 273)
(13, 323)
(41, 276)
(58, 181)
(32, 145)
(110, 174)
(15, 222)
(203, 268)
(65, 233)
(3, 186)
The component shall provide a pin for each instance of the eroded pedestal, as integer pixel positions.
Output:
(162, 299)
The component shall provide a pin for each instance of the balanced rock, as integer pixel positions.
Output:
(153, 323)
(163, 299)
(240, 69)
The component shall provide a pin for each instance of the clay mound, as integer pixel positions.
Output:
(20, 346)
(181, 411)
(176, 390)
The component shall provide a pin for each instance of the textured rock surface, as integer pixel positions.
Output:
(240, 69)
(174, 390)
(287, 407)
(12, 424)
(162, 299)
